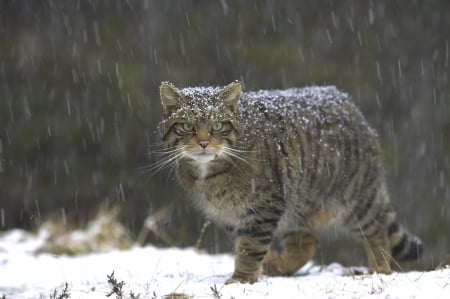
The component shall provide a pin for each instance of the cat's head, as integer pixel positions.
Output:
(200, 123)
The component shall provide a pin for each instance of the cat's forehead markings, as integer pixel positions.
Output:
(201, 95)
(200, 103)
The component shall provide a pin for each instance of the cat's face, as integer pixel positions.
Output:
(200, 123)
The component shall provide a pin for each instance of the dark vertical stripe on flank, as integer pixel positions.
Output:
(360, 211)
(302, 145)
(317, 157)
(347, 156)
(282, 147)
(378, 221)
(357, 147)
(367, 182)
(310, 161)
(276, 171)
(292, 141)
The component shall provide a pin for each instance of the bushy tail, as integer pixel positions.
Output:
(405, 246)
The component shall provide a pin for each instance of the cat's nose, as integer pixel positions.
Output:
(203, 143)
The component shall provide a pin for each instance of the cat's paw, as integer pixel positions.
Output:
(240, 279)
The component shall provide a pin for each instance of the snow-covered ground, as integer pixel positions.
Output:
(149, 272)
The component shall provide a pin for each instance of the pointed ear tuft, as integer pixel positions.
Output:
(170, 97)
(230, 95)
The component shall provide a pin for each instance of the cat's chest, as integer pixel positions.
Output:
(221, 198)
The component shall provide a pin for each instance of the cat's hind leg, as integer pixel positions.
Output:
(384, 239)
(297, 250)
(370, 219)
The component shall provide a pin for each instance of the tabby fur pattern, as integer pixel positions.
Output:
(274, 166)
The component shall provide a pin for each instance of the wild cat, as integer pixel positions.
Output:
(273, 166)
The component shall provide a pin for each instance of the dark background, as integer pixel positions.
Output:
(79, 101)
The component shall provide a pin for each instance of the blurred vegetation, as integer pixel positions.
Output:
(79, 100)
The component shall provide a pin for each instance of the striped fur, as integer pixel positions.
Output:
(274, 166)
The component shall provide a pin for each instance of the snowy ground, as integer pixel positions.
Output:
(150, 272)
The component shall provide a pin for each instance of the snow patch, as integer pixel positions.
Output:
(153, 273)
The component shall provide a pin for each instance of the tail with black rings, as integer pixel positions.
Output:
(404, 245)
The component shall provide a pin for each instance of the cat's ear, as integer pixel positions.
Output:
(170, 97)
(230, 95)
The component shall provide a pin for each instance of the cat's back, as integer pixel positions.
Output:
(311, 95)
(319, 104)
(321, 112)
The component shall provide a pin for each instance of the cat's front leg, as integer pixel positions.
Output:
(252, 244)
(248, 260)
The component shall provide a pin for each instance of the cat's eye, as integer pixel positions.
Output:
(188, 127)
(217, 126)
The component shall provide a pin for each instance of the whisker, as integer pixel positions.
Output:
(228, 158)
(172, 168)
(164, 151)
(173, 156)
(236, 154)
(238, 150)
(242, 153)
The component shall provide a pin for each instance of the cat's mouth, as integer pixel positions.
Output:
(203, 156)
